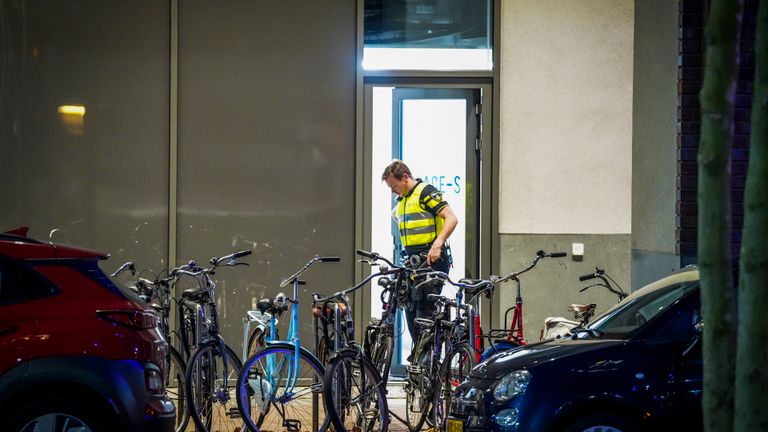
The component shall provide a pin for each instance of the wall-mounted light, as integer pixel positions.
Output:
(72, 109)
(72, 118)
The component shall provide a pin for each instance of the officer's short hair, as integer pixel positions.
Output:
(396, 169)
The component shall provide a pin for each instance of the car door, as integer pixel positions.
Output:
(678, 331)
(19, 284)
(17, 323)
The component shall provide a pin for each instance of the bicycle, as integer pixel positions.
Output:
(513, 335)
(264, 320)
(353, 390)
(378, 343)
(557, 327)
(444, 353)
(278, 386)
(175, 368)
(213, 365)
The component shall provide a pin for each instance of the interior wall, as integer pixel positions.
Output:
(565, 164)
(654, 152)
(266, 136)
(98, 180)
(266, 146)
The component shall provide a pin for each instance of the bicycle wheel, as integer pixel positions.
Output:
(355, 396)
(174, 387)
(455, 369)
(211, 388)
(270, 396)
(418, 385)
(381, 355)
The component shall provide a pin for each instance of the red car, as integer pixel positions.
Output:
(77, 351)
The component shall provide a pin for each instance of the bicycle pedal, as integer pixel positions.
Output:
(413, 369)
(292, 425)
(317, 388)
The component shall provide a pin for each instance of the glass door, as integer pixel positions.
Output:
(435, 131)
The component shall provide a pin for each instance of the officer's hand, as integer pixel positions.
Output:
(434, 254)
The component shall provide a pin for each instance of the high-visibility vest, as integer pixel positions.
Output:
(416, 224)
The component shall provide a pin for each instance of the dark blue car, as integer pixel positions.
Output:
(637, 367)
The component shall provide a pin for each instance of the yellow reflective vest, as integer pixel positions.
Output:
(417, 224)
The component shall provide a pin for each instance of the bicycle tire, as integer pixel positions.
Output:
(354, 403)
(381, 355)
(418, 404)
(323, 352)
(210, 388)
(260, 413)
(175, 378)
(455, 368)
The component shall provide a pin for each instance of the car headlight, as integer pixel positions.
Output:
(512, 385)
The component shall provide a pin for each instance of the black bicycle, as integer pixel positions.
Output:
(354, 388)
(213, 368)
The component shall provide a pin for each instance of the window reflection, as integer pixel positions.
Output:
(428, 34)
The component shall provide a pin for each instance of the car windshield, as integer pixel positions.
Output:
(624, 319)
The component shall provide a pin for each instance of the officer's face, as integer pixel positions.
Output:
(398, 187)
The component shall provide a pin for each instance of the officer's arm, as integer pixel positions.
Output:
(450, 224)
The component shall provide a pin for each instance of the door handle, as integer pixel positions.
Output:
(8, 330)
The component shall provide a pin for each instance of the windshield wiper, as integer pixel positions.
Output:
(591, 332)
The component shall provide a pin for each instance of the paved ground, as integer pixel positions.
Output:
(396, 400)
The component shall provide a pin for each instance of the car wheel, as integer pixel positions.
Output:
(601, 422)
(55, 413)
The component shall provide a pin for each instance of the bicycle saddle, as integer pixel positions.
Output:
(264, 304)
(424, 323)
(195, 295)
(580, 308)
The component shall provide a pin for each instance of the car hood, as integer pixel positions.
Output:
(538, 354)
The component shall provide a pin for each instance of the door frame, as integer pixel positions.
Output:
(488, 158)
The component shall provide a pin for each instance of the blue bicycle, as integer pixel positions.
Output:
(279, 386)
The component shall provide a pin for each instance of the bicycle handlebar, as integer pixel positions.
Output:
(315, 259)
(126, 265)
(539, 255)
(600, 274)
(596, 274)
(231, 257)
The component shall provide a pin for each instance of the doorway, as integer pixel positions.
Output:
(437, 132)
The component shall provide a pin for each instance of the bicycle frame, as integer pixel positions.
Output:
(515, 333)
(293, 334)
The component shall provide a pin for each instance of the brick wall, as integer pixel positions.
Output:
(692, 19)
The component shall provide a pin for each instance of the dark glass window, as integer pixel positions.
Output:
(427, 23)
(428, 34)
(18, 283)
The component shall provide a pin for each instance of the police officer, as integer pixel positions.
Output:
(425, 221)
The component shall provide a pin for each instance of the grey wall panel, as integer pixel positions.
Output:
(554, 284)
(654, 140)
(266, 144)
(654, 135)
(99, 181)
